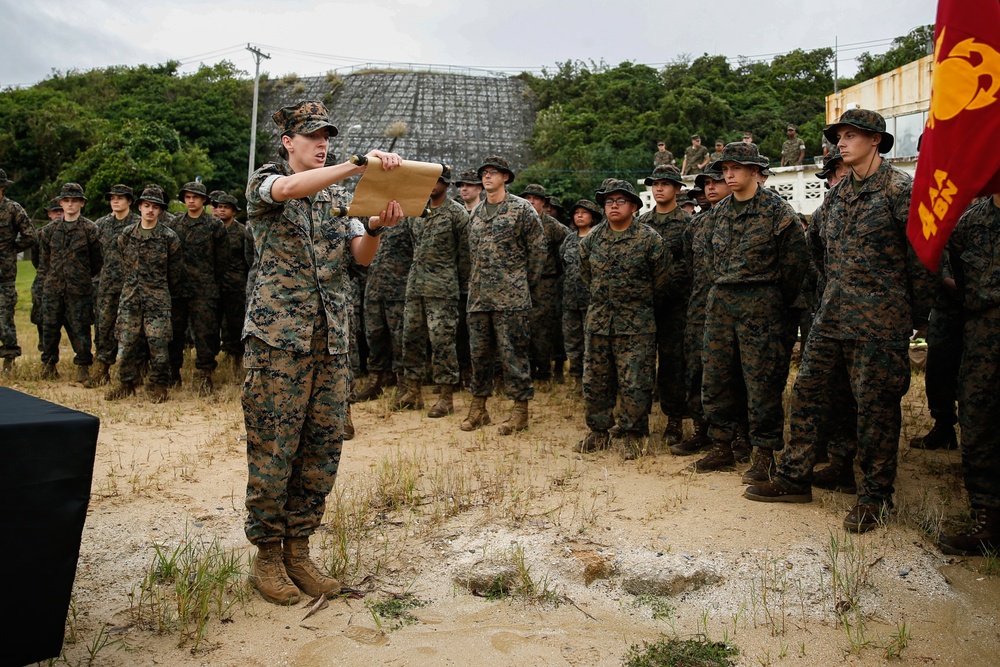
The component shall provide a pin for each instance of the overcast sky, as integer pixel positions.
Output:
(311, 38)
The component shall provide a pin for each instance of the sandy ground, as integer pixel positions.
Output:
(599, 553)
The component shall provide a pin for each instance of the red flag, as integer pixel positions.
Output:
(960, 147)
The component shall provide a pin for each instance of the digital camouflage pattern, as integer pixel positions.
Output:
(109, 281)
(694, 156)
(874, 292)
(292, 286)
(152, 269)
(500, 335)
(756, 258)
(662, 157)
(624, 272)
(974, 249)
(296, 356)
(576, 298)
(507, 255)
(69, 256)
(440, 266)
(16, 234)
(385, 297)
(671, 308)
(294, 406)
(790, 151)
(695, 253)
(233, 288)
(545, 302)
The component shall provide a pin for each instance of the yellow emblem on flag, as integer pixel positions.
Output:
(956, 82)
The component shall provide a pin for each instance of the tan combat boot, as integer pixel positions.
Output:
(478, 417)
(379, 380)
(82, 373)
(157, 392)
(100, 375)
(410, 396)
(517, 420)
(303, 571)
(268, 575)
(348, 425)
(120, 391)
(205, 386)
(445, 404)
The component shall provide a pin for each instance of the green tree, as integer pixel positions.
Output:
(916, 44)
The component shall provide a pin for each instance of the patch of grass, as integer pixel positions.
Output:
(675, 652)
(898, 641)
(991, 563)
(660, 606)
(187, 586)
(395, 610)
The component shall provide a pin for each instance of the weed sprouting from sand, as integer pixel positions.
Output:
(395, 609)
(189, 584)
(669, 652)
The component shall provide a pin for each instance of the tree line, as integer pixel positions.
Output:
(152, 124)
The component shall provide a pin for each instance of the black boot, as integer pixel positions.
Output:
(941, 436)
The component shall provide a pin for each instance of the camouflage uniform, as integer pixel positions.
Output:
(624, 272)
(440, 264)
(109, 285)
(205, 244)
(545, 323)
(756, 258)
(507, 249)
(296, 345)
(944, 350)
(662, 157)
(974, 249)
(233, 290)
(576, 298)
(790, 150)
(695, 250)
(671, 309)
(385, 298)
(151, 265)
(16, 234)
(694, 156)
(873, 283)
(69, 257)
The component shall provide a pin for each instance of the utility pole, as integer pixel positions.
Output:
(836, 55)
(257, 55)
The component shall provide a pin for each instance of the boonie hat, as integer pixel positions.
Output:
(4, 181)
(617, 185)
(469, 177)
(303, 118)
(699, 180)
(740, 152)
(194, 187)
(534, 189)
(863, 119)
(226, 198)
(72, 191)
(499, 163)
(829, 163)
(119, 189)
(153, 193)
(54, 205)
(587, 205)
(665, 172)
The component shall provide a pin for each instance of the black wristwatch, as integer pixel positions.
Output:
(369, 231)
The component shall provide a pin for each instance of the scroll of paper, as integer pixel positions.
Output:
(410, 184)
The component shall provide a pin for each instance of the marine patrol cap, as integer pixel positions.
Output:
(791, 127)
(617, 185)
(119, 189)
(534, 189)
(226, 198)
(699, 180)
(499, 163)
(696, 136)
(72, 191)
(740, 152)
(4, 181)
(665, 172)
(587, 205)
(194, 187)
(863, 119)
(54, 205)
(829, 164)
(153, 193)
(468, 177)
(304, 118)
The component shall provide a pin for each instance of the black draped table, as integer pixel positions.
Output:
(48, 462)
